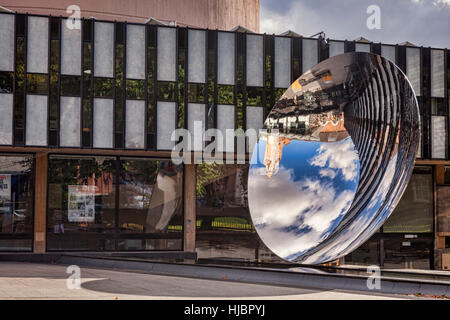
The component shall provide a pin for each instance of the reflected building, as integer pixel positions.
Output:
(273, 153)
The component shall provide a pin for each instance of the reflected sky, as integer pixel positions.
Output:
(306, 198)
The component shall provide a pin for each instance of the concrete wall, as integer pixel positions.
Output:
(212, 14)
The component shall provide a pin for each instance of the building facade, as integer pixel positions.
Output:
(212, 14)
(87, 114)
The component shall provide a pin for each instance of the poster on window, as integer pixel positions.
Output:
(81, 203)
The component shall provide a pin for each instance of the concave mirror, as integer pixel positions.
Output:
(334, 158)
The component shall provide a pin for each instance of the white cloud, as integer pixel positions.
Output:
(338, 155)
(423, 23)
(328, 173)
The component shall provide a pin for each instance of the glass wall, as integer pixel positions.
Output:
(150, 205)
(414, 213)
(224, 227)
(16, 202)
(406, 239)
(109, 203)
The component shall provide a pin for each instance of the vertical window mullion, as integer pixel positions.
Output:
(81, 79)
(14, 79)
(155, 87)
(91, 133)
(124, 87)
(19, 107)
(264, 78)
(216, 69)
(146, 88)
(49, 40)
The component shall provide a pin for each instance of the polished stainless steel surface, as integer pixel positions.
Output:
(335, 159)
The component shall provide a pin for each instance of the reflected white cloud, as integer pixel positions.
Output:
(365, 223)
(339, 155)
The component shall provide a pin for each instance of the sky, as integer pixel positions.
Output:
(421, 22)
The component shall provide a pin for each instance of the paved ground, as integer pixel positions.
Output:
(42, 281)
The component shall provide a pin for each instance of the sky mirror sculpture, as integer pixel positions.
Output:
(335, 158)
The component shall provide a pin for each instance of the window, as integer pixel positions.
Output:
(447, 175)
(16, 202)
(150, 205)
(414, 212)
(438, 107)
(224, 227)
(108, 203)
(81, 203)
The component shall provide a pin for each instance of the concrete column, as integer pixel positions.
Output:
(40, 202)
(189, 207)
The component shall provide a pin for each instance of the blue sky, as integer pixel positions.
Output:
(422, 22)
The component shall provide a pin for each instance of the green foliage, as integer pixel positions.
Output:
(135, 89)
(225, 94)
(206, 173)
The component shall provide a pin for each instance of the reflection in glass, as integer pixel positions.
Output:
(150, 203)
(16, 202)
(414, 212)
(81, 203)
(335, 159)
(106, 203)
(224, 228)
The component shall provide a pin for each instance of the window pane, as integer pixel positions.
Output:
(103, 87)
(70, 85)
(225, 94)
(224, 226)
(81, 203)
(70, 117)
(282, 62)
(166, 124)
(103, 49)
(7, 47)
(37, 47)
(37, 83)
(70, 49)
(16, 202)
(254, 60)
(366, 254)
(135, 89)
(135, 51)
(443, 199)
(103, 123)
(6, 82)
(36, 123)
(150, 205)
(196, 93)
(414, 212)
(336, 47)
(310, 54)
(166, 54)
(6, 110)
(196, 56)
(413, 68)
(225, 58)
(135, 124)
(438, 137)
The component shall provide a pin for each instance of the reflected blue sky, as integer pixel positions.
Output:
(307, 197)
(365, 224)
